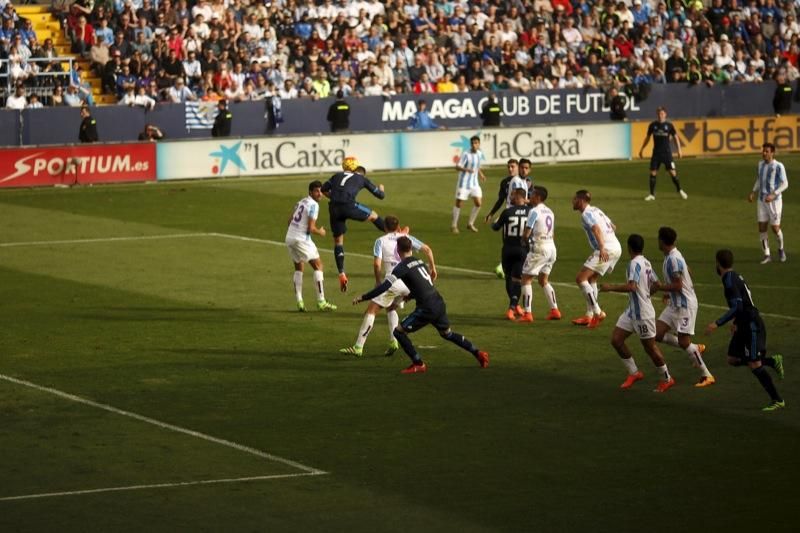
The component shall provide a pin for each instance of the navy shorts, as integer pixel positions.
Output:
(340, 213)
(512, 259)
(749, 343)
(662, 159)
(421, 317)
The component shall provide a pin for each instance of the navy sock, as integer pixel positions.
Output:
(378, 222)
(677, 183)
(408, 346)
(653, 185)
(763, 377)
(338, 254)
(768, 361)
(516, 289)
(461, 341)
(509, 290)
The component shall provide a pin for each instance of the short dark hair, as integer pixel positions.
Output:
(725, 258)
(512, 160)
(769, 146)
(474, 138)
(636, 243)
(525, 161)
(667, 235)
(361, 170)
(583, 194)
(391, 222)
(339, 94)
(540, 191)
(403, 245)
(316, 184)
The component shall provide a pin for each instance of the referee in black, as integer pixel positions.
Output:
(222, 124)
(88, 129)
(662, 131)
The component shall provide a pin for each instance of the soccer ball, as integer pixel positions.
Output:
(349, 163)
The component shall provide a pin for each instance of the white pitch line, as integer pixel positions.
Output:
(105, 239)
(164, 425)
(153, 486)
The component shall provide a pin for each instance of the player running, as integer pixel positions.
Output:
(469, 171)
(539, 231)
(639, 317)
(385, 258)
(512, 221)
(607, 251)
(681, 312)
(662, 131)
(302, 249)
(748, 344)
(430, 309)
(770, 183)
(342, 189)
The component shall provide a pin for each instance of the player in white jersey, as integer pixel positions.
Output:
(639, 317)
(385, 258)
(540, 232)
(771, 181)
(470, 177)
(675, 325)
(606, 251)
(302, 249)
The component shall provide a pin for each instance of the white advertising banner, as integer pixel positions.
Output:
(265, 156)
(546, 144)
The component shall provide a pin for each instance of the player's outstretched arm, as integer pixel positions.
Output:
(425, 249)
(628, 287)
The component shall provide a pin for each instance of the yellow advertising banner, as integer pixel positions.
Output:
(725, 136)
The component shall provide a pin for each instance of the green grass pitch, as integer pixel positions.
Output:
(197, 330)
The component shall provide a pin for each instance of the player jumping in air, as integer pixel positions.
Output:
(606, 252)
(770, 183)
(302, 249)
(469, 171)
(512, 221)
(639, 317)
(430, 308)
(662, 131)
(385, 258)
(539, 231)
(748, 344)
(342, 189)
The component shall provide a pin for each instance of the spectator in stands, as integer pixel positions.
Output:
(179, 93)
(72, 98)
(57, 98)
(34, 102)
(82, 37)
(17, 100)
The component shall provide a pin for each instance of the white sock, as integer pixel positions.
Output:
(596, 294)
(456, 214)
(366, 328)
(765, 242)
(318, 277)
(591, 302)
(664, 372)
(630, 366)
(473, 214)
(697, 359)
(298, 285)
(394, 320)
(671, 339)
(550, 293)
(780, 239)
(527, 298)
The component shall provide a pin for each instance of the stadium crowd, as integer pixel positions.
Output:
(150, 51)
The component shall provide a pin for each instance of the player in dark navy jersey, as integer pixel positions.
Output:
(430, 308)
(663, 132)
(342, 189)
(512, 221)
(748, 344)
(502, 199)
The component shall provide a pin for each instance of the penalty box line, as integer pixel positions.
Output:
(307, 470)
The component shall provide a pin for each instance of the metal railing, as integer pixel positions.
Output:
(36, 81)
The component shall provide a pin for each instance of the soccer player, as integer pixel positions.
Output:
(662, 131)
(771, 181)
(639, 317)
(525, 174)
(748, 344)
(342, 189)
(606, 252)
(469, 170)
(504, 197)
(430, 309)
(302, 249)
(512, 221)
(385, 258)
(539, 231)
(681, 312)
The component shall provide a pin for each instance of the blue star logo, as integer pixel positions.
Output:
(463, 143)
(226, 154)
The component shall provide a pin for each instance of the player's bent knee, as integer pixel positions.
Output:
(445, 332)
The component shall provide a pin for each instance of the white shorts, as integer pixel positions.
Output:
(396, 292)
(770, 211)
(302, 250)
(645, 328)
(464, 193)
(679, 319)
(540, 260)
(594, 264)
